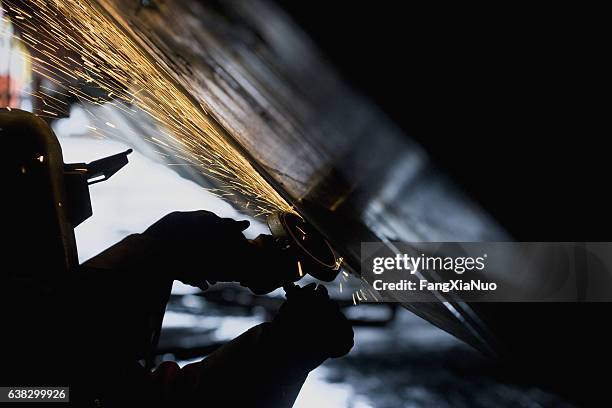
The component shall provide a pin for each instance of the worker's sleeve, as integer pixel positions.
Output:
(129, 292)
(136, 250)
(257, 369)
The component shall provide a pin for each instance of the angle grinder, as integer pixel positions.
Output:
(314, 255)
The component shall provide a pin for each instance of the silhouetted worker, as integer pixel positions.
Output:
(89, 326)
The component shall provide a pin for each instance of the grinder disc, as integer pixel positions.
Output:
(316, 254)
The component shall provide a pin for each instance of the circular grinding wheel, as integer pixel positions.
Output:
(315, 253)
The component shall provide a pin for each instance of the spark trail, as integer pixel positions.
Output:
(77, 45)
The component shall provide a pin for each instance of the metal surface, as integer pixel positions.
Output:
(330, 153)
(335, 157)
(313, 253)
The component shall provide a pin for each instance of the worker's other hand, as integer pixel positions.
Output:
(201, 248)
(314, 324)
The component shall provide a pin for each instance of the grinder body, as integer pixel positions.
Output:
(313, 254)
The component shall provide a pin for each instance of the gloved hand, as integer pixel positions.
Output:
(199, 246)
(313, 324)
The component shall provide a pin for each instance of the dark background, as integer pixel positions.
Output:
(507, 100)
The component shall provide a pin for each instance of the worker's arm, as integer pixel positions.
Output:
(124, 302)
(267, 365)
(198, 248)
(193, 247)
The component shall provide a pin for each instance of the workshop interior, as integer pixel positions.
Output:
(324, 126)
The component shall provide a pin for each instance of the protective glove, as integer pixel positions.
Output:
(313, 323)
(201, 248)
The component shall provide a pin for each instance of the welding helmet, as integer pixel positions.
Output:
(47, 198)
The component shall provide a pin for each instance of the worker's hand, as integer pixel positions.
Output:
(314, 323)
(201, 248)
(267, 267)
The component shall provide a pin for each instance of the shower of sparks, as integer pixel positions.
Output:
(78, 44)
(363, 294)
(303, 233)
(359, 296)
(300, 269)
(366, 285)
